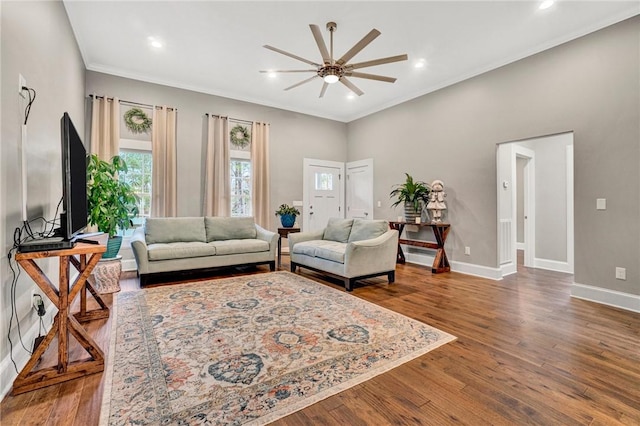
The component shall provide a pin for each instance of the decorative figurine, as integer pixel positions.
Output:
(436, 201)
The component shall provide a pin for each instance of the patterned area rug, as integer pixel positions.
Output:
(248, 350)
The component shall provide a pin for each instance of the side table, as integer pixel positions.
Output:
(106, 275)
(283, 232)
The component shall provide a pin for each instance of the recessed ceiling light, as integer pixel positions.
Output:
(154, 42)
(420, 63)
(351, 96)
(272, 74)
(546, 4)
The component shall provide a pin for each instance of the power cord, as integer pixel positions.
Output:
(27, 110)
(14, 310)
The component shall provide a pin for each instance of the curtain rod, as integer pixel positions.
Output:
(230, 118)
(129, 102)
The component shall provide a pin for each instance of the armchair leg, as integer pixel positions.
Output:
(392, 276)
(272, 266)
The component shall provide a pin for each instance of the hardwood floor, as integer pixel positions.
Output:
(527, 353)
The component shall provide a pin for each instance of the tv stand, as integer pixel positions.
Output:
(64, 323)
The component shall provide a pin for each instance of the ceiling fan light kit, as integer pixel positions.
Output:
(331, 70)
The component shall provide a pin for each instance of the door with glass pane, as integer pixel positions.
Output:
(323, 194)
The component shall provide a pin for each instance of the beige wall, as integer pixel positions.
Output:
(38, 43)
(590, 86)
(294, 136)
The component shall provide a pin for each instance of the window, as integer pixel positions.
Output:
(137, 155)
(240, 187)
(324, 182)
(240, 180)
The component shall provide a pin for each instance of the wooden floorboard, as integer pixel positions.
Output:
(527, 353)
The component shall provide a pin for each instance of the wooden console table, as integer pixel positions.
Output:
(64, 322)
(440, 231)
(283, 233)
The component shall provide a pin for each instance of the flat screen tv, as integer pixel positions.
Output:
(73, 219)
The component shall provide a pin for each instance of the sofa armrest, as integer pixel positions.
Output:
(299, 237)
(371, 256)
(268, 236)
(139, 248)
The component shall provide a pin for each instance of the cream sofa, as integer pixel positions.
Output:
(350, 249)
(187, 243)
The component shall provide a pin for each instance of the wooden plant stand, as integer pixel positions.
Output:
(64, 322)
(440, 231)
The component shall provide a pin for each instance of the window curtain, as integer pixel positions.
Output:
(105, 127)
(260, 174)
(164, 201)
(217, 183)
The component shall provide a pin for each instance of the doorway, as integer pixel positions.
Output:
(323, 193)
(535, 211)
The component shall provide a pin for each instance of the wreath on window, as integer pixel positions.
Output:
(137, 121)
(240, 136)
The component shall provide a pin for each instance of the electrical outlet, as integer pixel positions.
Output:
(621, 273)
(35, 301)
(22, 82)
(467, 251)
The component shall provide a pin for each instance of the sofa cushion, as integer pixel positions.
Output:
(229, 228)
(168, 251)
(246, 245)
(338, 230)
(366, 229)
(324, 249)
(174, 229)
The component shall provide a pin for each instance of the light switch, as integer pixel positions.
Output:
(601, 204)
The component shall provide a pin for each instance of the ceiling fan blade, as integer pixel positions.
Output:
(302, 82)
(270, 71)
(371, 76)
(358, 46)
(324, 89)
(317, 34)
(351, 86)
(378, 61)
(291, 55)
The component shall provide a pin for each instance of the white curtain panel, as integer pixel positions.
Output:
(217, 185)
(105, 127)
(164, 201)
(260, 174)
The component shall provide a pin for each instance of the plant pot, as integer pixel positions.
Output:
(113, 247)
(287, 220)
(410, 212)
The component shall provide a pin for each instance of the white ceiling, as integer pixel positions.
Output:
(215, 47)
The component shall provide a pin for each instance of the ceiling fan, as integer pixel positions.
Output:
(333, 70)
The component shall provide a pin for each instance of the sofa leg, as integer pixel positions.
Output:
(272, 266)
(293, 267)
(392, 276)
(348, 284)
(143, 279)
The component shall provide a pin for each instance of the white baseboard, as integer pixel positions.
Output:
(129, 265)
(552, 265)
(20, 356)
(629, 302)
(508, 269)
(461, 267)
(521, 246)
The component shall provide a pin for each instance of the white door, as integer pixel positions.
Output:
(360, 189)
(323, 193)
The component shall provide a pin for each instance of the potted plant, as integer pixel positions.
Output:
(414, 194)
(111, 201)
(287, 215)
